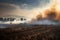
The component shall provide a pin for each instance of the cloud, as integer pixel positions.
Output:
(28, 8)
(6, 8)
(21, 7)
(30, 3)
(12, 9)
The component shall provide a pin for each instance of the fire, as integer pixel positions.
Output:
(53, 12)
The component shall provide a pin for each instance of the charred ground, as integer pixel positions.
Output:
(37, 32)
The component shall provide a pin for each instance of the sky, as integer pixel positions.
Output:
(32, 3)
(28, 8)
(21, 7)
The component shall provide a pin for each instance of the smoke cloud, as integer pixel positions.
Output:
(47, 10)
(52, 14)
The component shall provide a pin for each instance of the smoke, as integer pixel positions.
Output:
(49, 15)
(42, 11)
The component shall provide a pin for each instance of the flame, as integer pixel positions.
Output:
(52, 12)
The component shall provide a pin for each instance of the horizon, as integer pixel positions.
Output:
(47, 10)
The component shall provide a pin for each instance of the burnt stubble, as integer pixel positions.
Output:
(35, 32)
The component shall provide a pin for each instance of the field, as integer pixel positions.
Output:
(33, 32)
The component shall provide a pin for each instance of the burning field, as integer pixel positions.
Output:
(44, 23)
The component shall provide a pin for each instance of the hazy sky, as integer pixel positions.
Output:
(32, 3)
(28, 8)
